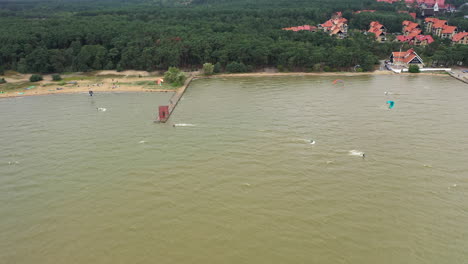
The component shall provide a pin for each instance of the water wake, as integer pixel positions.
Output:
(356, 153)
(183, 125)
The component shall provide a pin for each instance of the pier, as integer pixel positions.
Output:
(459, 75)
(166, 111)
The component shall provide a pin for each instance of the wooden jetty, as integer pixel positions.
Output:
(165, 111)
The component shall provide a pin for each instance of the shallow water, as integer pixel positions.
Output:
(240, 181)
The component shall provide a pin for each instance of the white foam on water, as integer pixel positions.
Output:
(102, 109)
(356, 153)
(141, 142)
(184, 125)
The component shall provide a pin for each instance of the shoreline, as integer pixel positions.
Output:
(108, 84)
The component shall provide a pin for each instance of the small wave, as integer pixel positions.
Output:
(183, 125)
(141, 142)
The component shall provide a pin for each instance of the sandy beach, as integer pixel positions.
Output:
(102, 81)
(130, 81)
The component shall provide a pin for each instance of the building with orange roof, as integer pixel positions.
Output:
(406, 58)
(439, 28)
(378, 30)
(409, 26)
(448, 32)
(336, 26)
(422, 40)
(428, 23)
(460, 38)
(302, 28)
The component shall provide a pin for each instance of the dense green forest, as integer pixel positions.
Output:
(65, 36)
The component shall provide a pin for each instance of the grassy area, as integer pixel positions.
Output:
(79, 78)
(16, 86)
(151, 83)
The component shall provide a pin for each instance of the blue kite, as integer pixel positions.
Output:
(390, 104)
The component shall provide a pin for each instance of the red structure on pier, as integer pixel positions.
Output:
(163, 113)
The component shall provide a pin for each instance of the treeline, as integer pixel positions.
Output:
(154, 36)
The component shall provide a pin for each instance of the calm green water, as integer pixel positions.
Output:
(242, 185)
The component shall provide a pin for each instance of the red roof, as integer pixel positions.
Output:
(409, 26)
(449, 29)
(414, 33)
(459, 36)
(430, 19)
(376, 28)
(404, 56)
(413, 15)
(403, 38)
(327, 24)
(428, 38)
(439, 23)
(299, 28)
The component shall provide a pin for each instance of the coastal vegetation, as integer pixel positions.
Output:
(413, 69)
(235, 35)
(56, 77)
(35, 78)
(208, 68)
(174, 76)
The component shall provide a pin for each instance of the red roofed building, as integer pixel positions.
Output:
(460, 38)
(301, 28)
(379, 31)
(336, 26)
(416, 39)
(448, 32)
(439, 28)
(428, 23)
(406, 58)
(409, 26)
(422, 40)
(402, 38)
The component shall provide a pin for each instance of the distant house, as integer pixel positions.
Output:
(302, 28)
(379, 31)
(406, 58)
(410, 27)
(448, 32)
(460, 38)
(439, 28)
(336, 26)
(422, 40)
